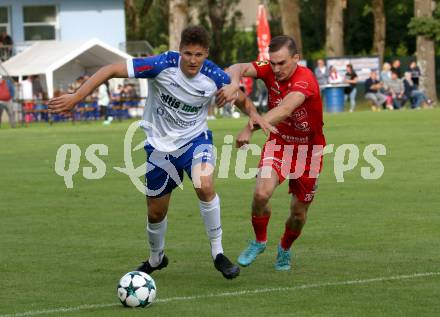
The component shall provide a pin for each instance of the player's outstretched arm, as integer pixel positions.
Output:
(237, 71)
(255, 120)
(246, 106)
(229, 92)
(285, 108)
(66, 102)
(243, 137)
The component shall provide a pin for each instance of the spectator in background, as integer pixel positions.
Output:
(395, 89)
(228, 109)
(211, 110)
(385, 74)
(5, 45)
(321, 72)
(7, 92)
(38, 94)
(385, 77)
(5, 39)
(89, 100)
(129, 92)
(117, 92)
(77, 83)
(415, 73)
(351, 78)
(37, 88)
(416, 97)
(130, 97)
(334, 77)
(103, 101)
(28, 98)
(372, 91)
(396, 68)
(27, 88)
(261, 96)
(70, 89)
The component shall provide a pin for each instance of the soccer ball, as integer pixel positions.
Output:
(136, 289)
(236, 115)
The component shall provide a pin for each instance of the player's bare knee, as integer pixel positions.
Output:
(155, 216)
(157, 209)
(206, 192)
(261, 197)
(300, 216)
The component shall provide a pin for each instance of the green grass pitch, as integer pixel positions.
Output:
(62, 251)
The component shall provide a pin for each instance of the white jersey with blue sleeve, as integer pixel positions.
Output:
(177, 106)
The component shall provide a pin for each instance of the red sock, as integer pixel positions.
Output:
(288, 237)
(260, 227)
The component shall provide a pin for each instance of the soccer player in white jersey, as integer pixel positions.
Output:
(181, 87)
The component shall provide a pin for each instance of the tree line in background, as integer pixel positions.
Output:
(322, 28)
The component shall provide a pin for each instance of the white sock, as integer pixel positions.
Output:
(156, 239)
(210, 212)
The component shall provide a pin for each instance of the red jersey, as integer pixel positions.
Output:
(304, 125)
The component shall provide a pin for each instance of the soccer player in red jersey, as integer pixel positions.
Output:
(293, 150)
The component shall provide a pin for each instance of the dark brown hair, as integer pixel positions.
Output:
(278, 42)
(194, 35)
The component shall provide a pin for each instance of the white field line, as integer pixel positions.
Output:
(227, 294)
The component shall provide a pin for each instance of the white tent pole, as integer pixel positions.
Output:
(49, 83)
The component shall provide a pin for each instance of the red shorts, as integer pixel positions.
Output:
(301, 164)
